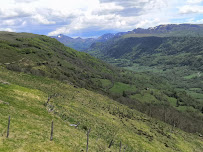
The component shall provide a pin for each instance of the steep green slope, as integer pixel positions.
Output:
(23, 97)
(148, 93)
(41, 55)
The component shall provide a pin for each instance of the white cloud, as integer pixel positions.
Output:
(24, 1)
(107, 8)
(188, 9)
(198, 21)
(7, 29)
(117, 15)
(5, 13)
(42, 20)
(194, 1)
(192, 7)
(107, 22)
(145, 23)
(15, 13)
(8, 23)
(193, 21)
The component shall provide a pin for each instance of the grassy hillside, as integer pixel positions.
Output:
(44, 56)
(148, 93)
(23, 97)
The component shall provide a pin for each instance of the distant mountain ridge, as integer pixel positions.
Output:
(82, 44)
(76, 43)
(167, 30)
(124, 42)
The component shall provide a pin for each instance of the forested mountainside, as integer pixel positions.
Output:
(28, 59)
(172, 51)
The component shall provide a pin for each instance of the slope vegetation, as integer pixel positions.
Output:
(23, 98)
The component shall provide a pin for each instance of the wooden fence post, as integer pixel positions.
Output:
(88, 131)
(52, 130)
(8, 127)
(111, 143)
(120, 146)
(77, 125)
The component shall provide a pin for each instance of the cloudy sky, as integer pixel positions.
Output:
(91, 18)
